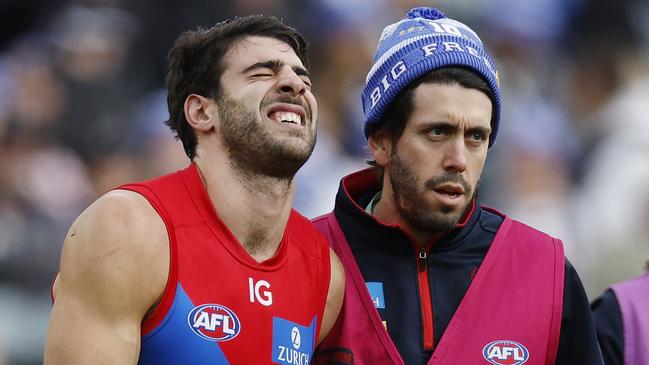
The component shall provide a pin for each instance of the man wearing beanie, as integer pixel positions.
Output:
(433, 277)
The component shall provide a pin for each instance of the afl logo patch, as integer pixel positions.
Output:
(214, 322)
(505, 352)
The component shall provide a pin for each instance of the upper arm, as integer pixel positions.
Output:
(334, 295)
(114, 267)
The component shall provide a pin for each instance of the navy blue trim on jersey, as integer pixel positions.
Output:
(385, 254)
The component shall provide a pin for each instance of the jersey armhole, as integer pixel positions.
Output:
(160, 310)
(56, 275)
(325, 281)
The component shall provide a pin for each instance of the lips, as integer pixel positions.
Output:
(286, 117)
(287, 113)
(450, 190)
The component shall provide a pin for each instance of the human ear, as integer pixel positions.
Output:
(380, 143)
(200, 112)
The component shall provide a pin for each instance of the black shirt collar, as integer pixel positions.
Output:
(357, 190)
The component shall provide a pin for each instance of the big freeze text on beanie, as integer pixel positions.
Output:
(424, 41)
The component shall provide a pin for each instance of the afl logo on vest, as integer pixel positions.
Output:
(214, 322)
(505, 352)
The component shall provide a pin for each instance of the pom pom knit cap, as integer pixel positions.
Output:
(424, 41)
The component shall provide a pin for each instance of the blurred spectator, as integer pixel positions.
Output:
(21, 17)
(608, 88)
(92, 46)
(529, 170)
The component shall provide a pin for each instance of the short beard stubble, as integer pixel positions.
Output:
(413, 207)
(252, 148)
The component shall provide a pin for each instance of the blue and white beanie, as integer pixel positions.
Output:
(423, 41)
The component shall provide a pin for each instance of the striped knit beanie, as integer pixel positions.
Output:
(424, 41)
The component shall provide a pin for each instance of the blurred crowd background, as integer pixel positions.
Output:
(82, 105)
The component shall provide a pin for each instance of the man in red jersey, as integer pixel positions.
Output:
(208, 265)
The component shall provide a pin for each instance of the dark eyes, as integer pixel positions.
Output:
(478, 136)
(472, 135)
(437, 131)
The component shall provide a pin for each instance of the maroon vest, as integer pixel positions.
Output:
(511, 313)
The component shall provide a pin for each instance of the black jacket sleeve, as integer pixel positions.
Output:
(577, 342)
(608, 325)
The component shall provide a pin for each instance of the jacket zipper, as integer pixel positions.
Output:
(426, 306)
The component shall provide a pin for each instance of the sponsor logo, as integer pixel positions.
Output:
(214, 322)
(376, 292)
(296, 338)
(292, 343)
(335, 356)
(505, 352)
(260, 291)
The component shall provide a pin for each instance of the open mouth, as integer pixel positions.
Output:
(286, 113)
(449, 194)
(286, 117)
(449, 191)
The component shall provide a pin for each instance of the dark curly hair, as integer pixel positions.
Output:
(196, 64)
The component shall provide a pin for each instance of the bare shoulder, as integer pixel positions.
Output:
(337, 285)
(114, 268)
(334, 296)
(118, 245)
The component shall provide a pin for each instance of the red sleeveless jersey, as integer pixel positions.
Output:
(220, 306)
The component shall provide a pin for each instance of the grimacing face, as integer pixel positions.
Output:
(435, 166)
(267, 111)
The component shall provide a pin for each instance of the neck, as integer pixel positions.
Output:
(255, 208)
(386, 212)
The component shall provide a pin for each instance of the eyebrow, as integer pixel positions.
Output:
(276, 65)
(485, 131)
(451, 126)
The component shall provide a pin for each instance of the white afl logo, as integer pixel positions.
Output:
(295, 337)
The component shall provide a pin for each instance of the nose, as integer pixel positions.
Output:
(290, 83)
(455, 155)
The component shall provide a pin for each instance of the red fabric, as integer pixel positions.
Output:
(211, 266)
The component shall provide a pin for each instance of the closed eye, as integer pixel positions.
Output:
(306, 81)
(263, 69)
(262, 74)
